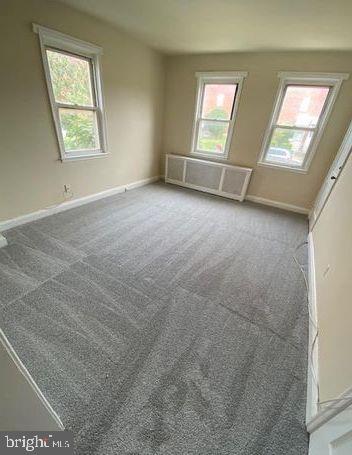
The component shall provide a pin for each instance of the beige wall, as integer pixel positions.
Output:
(31, 176)
(256, 104)
(332, 238)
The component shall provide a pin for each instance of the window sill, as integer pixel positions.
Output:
(281, 167)
(88, 156)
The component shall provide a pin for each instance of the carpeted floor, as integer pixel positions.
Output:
(164, 321)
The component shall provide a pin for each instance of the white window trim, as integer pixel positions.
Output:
(232, 77)
(62, 42)
(334, 80)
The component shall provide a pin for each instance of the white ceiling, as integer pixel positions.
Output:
(175, 26)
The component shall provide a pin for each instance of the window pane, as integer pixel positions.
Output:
(302, 105)
(288, 147)
(218, 101)
(71, 78)
(212, 136)
(79, 129)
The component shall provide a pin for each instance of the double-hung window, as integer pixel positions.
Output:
(217, 101)
(72, 71)
(302, 108)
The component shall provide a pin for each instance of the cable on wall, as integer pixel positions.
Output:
(311, 318)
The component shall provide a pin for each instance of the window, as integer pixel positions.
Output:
(217, 100)
(72, 74)
(302, 108)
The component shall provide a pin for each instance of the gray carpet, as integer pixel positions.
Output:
(164, 321)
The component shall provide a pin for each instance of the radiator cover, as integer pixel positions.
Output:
(208, 176)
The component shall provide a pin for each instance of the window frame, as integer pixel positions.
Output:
(59, 42)
(331, 80)
(224, 77)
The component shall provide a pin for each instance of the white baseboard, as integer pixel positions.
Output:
(330, 410)
(269, 202)
(280, 205)
(3, 241)
(132, 186)
(17, 361)
(313, 372)
(8, 224)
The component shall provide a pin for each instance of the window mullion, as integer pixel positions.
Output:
(289, 127)
(76, 106)
(213, 120)
(215, 137)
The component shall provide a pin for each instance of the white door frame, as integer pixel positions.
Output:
(331, 177)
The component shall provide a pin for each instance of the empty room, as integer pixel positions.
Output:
(176, 227)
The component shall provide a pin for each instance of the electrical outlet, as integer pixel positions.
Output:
(67, 191)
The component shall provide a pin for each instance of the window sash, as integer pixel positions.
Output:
(288, 165)
(290, 128)
(314, 129)
(209, 152)
(93, 108)
(305, 85)
(299, 128)
(333, 81)
(217, 79)
(95, 131)
(91, 74)
(59, 42)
